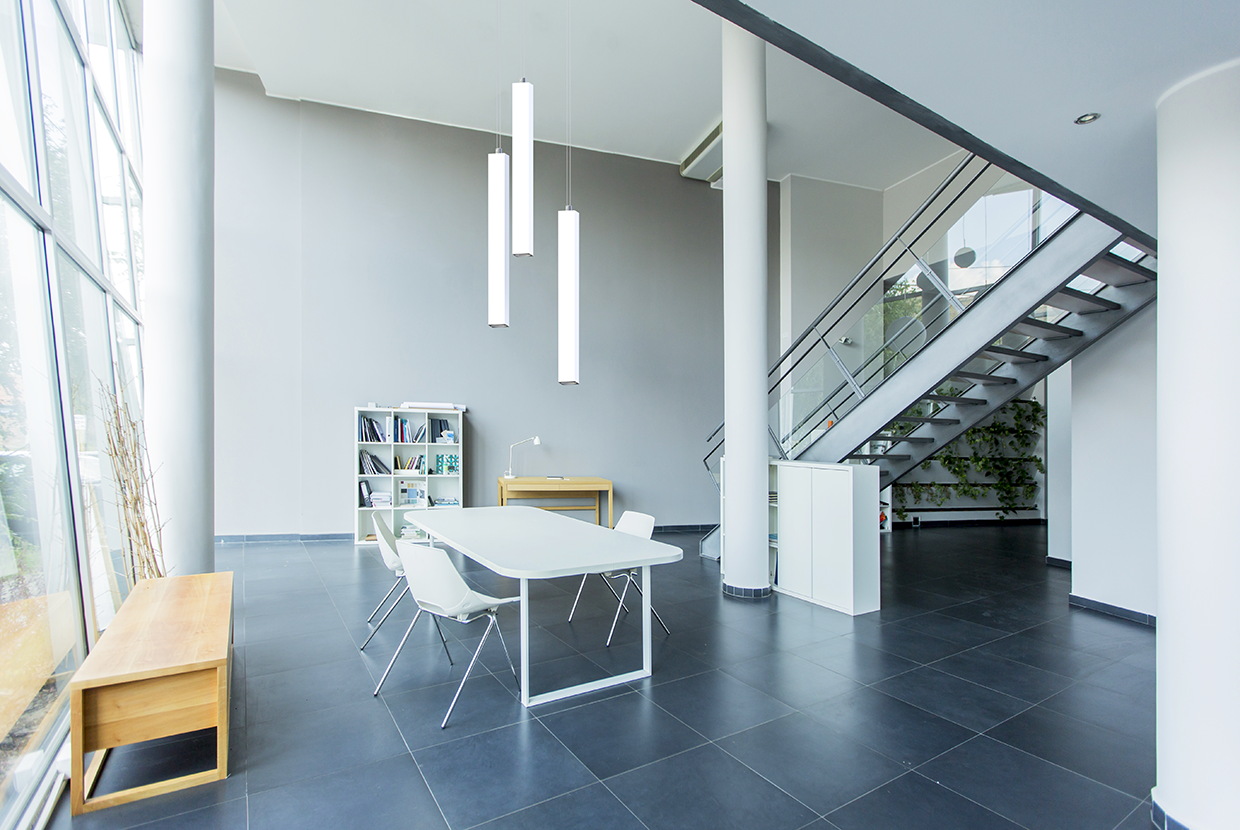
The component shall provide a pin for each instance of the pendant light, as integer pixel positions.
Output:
(499, 224)
(569, 237)
(499, 239)
(523, 168)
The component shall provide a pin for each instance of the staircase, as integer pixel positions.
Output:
(925, 343)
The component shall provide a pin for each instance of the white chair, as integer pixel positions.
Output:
(439, 590)
(387, 547)
(634, 524)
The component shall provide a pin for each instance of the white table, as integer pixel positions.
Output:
(527, 543)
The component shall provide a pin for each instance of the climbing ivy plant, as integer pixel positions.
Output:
(1001, 450)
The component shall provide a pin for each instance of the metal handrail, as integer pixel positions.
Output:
(908, 223)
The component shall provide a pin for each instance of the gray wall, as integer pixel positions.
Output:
(350, 267)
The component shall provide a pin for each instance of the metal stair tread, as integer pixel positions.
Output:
(978, 377)
(1007, 355)
(956, 399)
(910, 439)
(922, 419)
(1043, 330)
(1117, 271)
(1080, 302)
(878, 456)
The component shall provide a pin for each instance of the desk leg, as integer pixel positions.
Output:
(598, 513)
(77, 794)
(525, 642)
(501, 494)
(647, 627)
(221, 719)
(610, 523)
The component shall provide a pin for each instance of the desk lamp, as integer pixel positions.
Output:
(536, 441)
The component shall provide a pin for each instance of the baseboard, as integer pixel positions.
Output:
(684, 528)
(259, 538)
(971, 523)
(1112, 610)
(1054, 562)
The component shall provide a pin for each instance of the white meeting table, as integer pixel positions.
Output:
(527, 543)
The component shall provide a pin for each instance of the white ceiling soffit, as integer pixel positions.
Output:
(645, 77)
(1015, 75)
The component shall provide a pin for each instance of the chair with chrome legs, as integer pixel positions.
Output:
(634, 524)
(387, 547)
(439, 590)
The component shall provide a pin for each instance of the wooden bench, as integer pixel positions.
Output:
(161, 668)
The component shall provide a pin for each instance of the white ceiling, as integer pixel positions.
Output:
(645, 77)
(1015, 75)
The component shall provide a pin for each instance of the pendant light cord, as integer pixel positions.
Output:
(499, 74)
(568, 104)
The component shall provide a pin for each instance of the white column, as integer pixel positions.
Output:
(744, 312)
(178, 354)
(1198, 565)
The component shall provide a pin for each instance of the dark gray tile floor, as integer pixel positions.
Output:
(975, 699)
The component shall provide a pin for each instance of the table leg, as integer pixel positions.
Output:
(647, 627)
(610, 523)
(598, 517)
(525, 642)
(500, 497)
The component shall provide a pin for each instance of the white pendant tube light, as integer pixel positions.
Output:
(569, 234)
(570, 310)
(522, 168)
(499, 239)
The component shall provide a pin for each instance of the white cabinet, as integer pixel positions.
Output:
(827, 532)
(405, 459)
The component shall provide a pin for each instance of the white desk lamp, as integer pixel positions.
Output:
(536, 441)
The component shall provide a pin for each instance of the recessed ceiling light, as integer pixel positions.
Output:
(1088, 118)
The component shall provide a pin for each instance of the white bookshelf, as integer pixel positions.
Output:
(441, 480)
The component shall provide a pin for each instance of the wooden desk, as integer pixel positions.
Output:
(161, 668)
(575, 487)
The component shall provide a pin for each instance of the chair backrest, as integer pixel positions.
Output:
(387, 543)
(433, 580)
(636, 524)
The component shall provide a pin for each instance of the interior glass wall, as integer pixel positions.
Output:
(70, 335)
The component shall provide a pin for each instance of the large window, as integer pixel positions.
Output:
(70, 335)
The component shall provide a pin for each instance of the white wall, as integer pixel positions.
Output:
(828, 232)
(1059, 463)
(351, 268)
(1114, 538)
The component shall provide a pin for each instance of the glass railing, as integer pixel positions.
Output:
(977, 225)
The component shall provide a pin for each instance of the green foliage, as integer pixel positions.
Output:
(1001, 450)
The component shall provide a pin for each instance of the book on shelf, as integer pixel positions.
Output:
(371, 431)
(380, 499)
(371, 465)
(364, 488)
(420, 435)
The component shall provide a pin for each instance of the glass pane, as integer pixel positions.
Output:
(112, 193)
(64, 126)
(88, 353)
(99, 47)
(135, 233)
(128, 361)
(40, 615)
(16, 133)
(126, 89)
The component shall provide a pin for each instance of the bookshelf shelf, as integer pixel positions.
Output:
(382, 449)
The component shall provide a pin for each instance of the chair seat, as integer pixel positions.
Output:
(473, 603)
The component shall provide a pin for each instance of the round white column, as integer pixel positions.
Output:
(179, 203)
(1198, 375)
(745, 547)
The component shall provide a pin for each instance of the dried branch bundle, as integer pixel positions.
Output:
(135, 490)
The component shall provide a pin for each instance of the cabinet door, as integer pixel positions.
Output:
(795, 528)
(833, 531)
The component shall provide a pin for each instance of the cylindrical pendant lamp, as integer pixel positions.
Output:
(570, 263)
(499, 239)
(522, 168)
